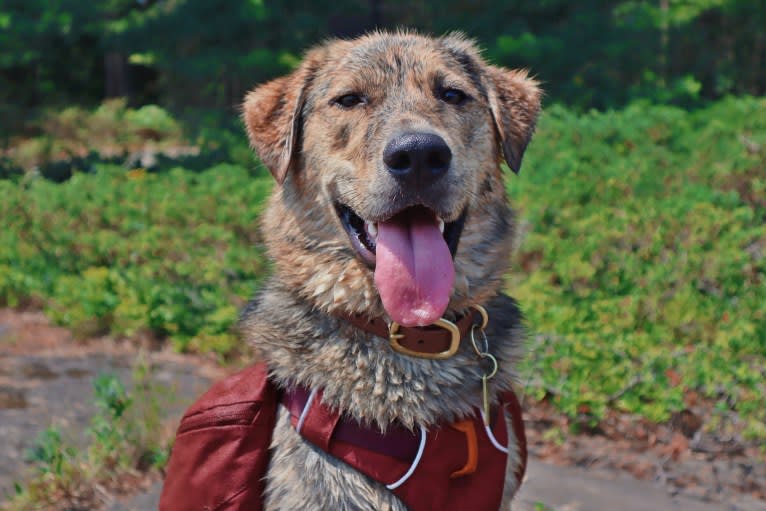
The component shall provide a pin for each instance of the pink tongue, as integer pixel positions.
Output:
(413, 268)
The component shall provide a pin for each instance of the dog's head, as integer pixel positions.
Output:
(388, 149)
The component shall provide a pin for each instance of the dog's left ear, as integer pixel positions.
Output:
(514, 99)
(272, 116)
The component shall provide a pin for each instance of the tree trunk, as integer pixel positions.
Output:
(664, 41)
(116, 68)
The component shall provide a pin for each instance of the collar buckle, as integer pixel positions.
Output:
(394, 336)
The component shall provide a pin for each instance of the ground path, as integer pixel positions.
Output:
(560, 489)
(46, 377)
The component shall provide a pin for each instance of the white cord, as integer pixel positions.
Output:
(305, 411)
(415, 463)
(490, 435)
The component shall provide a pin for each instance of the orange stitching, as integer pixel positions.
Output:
(466, 427)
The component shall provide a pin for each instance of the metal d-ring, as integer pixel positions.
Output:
(484, 315)
(495, 365)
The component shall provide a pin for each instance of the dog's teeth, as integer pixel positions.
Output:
(441, 225)
(372, 229)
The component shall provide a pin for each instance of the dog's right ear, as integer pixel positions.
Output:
(272, 116)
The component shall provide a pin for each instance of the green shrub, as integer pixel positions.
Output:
(123, 253)
(50, 455)
(152, 120)
(643, 271)
(109, 130)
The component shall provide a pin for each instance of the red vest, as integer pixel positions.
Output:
(221, 452)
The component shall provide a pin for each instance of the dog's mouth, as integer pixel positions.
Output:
(364, 234)
(411, 253)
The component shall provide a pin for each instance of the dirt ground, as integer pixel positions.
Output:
(46, 378)
(625, 463)
(680, 458)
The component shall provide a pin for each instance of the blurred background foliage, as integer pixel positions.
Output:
(206, 53)
(129, 198)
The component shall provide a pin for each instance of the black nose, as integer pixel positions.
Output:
(419, 158)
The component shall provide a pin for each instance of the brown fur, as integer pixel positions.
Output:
(321, 153)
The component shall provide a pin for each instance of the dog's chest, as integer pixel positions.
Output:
(301, 476)
(304, 476)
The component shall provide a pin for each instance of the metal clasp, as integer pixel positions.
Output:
(483, 353)
(484, 316)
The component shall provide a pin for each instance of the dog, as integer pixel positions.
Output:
(389, 219)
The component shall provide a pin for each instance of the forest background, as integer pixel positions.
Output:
(129, 199)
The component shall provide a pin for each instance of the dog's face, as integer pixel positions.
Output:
(388, 150)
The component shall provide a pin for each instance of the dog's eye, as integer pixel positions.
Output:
(349, 100)
(453, 96)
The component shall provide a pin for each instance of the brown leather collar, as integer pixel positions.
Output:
(426, 341)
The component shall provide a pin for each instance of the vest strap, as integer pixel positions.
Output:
(320, 425)
(397, 442)
(313, 421)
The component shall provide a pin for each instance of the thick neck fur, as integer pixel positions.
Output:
(360, 374)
